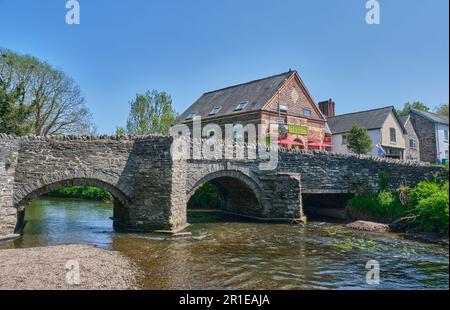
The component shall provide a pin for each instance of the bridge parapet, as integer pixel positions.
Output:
(337, 173)
(152, 188)
(137, 171)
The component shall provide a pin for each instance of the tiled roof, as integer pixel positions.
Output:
(257, 93)
(436, 118)
(371, 119)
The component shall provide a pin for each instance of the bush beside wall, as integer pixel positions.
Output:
(425, 207)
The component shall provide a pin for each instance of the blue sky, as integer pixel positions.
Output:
(187, 47)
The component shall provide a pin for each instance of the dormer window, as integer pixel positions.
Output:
(215, 110)
(191, 116)
(241, 106)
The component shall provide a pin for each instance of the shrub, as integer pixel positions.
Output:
(384, 207)
(206, 197)
(391, 206)
(432, 212)
(82, 192)
(423, 190)
(428, 205)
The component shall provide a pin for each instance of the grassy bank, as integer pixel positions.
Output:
(424, 207)
(82, 192)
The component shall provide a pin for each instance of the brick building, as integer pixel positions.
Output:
(280, 99)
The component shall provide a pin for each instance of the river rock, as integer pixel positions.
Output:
(368, 226)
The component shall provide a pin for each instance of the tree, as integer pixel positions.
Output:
(415, 105)
(151, 113)
(54, 99)
(359, 141)
(13, 113)
(442, 109)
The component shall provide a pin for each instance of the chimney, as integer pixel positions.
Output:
(327, 108)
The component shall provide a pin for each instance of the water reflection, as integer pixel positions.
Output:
(55, 221)
(240, 255)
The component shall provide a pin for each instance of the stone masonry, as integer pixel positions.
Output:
(151, 189)
(426, 132)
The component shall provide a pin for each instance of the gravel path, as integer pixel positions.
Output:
(45, 268)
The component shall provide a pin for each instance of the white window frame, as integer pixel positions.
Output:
(393, 130)
(241, 106)
(191, 116)
(283, 108)
(215, 110)
(309, 112)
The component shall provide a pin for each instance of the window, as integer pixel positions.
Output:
(307, 112)
(191, 116)
(241, 106)
(394, 153)
(215, 110)
(283, 108)
(344, 140)
(446, 135)
(446, 154)
(412, 144)
(393, 134)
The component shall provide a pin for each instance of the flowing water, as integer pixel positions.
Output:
(226, 254)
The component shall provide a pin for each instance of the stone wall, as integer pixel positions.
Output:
(151, 189)
(302, 172)
(137, 172)
(8, 159)
(337, 173)
(157, 198)
(247, 191)
(426, 132)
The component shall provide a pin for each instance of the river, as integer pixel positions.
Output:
(229, 254)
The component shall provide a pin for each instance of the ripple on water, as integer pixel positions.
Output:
(240, 255)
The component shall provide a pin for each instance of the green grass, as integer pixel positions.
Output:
(382, 207)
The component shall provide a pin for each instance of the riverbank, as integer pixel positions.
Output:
(44, 268)
(411, 234)
(82, 192)
(420, 212)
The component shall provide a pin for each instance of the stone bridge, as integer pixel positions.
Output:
(151, 189)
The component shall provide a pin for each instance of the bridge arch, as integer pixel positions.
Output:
(27, 193)
(21, 202)
(241, 194)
